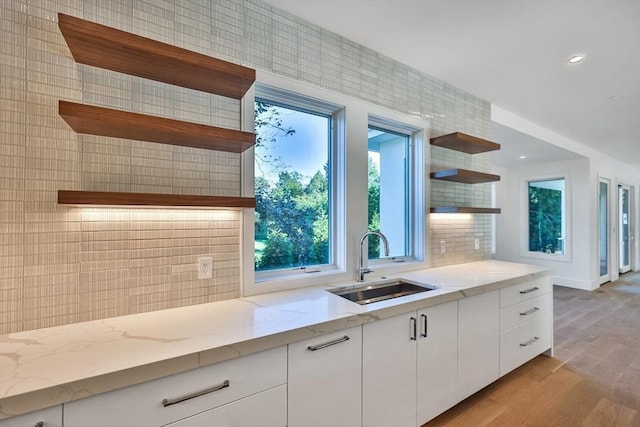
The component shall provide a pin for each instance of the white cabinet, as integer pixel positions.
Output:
(49, 417)
(437, 360)
(265, 409)
(389, 372)
(478, 342)
(325, 380)
(526, 322)
(169, 399)
(410, 367)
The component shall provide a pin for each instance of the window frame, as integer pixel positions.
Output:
(350, 143)
(413, 134)
(524, 217)
(303, 103)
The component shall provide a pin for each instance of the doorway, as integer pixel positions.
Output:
(603, 231)
(624, 225)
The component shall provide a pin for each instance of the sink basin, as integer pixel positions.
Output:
(380, 291)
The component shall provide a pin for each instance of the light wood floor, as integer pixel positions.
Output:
(593, 378)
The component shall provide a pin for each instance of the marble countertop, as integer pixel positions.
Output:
(45, 367)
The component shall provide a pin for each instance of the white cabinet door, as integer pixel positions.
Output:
(50, 417)
(266, 409)
(478, 342)
(389, 372)
(437, 360)
(325, 380)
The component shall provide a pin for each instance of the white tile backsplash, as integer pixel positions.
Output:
(61, 265)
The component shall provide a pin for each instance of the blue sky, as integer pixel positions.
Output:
(306, 149)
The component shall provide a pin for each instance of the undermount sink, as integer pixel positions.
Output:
(380, 291)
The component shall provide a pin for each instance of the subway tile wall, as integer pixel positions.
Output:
(61, 264)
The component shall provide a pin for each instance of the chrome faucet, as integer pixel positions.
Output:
(361, 270)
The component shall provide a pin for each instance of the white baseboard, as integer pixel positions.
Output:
(573, 283)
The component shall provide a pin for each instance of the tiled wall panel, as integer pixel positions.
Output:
(60, 264)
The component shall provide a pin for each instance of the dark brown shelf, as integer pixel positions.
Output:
(102, 121)
(103, 198)
(116, 50)
(466, 143)
(464, 176)
(463, 209)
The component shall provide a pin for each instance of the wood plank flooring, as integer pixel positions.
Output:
(593, 379)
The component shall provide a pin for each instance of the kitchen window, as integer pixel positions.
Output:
(547, 220)
(309, 171)
(389, 175)
(294, 183)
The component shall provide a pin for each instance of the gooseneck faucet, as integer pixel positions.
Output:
(361, 270)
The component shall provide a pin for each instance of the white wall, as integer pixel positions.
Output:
(582, 271)
(511, 232)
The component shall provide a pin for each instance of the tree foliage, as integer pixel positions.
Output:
(545, 219)
(292, 211)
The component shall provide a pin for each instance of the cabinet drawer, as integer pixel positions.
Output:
(524, 342)
(265, 409)
(524, 311)
(142, 404)
(50, 417)
(523, 291)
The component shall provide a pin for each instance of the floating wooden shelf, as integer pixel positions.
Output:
(116, 50)
(100, 198)
(464, 176)
(466, 143)
(121, 124)
(463, 209)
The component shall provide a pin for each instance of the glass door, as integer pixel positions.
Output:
(624, 227)
(603, 230)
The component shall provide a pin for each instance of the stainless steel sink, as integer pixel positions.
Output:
(380, 291)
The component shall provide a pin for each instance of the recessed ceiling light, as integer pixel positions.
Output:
(575, 59)
(523, 157)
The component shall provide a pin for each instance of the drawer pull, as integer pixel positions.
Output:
(39, 424)
(526, 291)
(528, 343)
(169, 402)
(425, 326)
(528, 312)
(414, 329)
(328, 344)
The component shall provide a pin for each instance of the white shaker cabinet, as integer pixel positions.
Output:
(410, 367)
(389, 372)
(325, 380)
(526, 322)
(478, 342)
(437, 360)
(49, 417)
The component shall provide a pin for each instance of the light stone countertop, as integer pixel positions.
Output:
(45, 367)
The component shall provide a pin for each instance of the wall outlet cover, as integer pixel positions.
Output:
(205, 268)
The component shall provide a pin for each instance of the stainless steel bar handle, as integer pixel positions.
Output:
(414, 329)
(169, 402)
(425, 326)
(526, 291)
(528, 312)
(531, 341)
(329, 343)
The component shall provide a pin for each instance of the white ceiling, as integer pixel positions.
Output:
(514, 54)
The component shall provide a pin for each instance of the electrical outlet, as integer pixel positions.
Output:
(205, 268)
(476, 244)
(443, 248)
